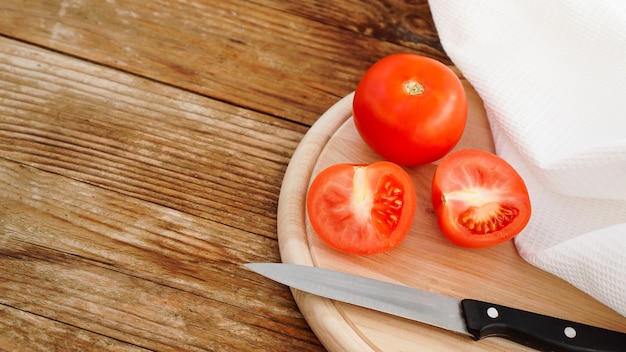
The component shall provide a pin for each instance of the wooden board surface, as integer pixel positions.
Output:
(142, 149)
(122, 220)
(425, 260)
(285, 58)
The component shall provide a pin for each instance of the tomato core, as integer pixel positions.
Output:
(413, 87)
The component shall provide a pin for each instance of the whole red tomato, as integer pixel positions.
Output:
(410, 109)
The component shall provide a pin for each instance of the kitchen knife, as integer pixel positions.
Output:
(464, 316)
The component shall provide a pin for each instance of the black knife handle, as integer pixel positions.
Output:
(537, 331)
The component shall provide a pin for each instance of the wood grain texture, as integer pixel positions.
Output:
(26, 331)
(157, 143)
(128, 208)
(135, 271)
(408, 23)
(289, 60)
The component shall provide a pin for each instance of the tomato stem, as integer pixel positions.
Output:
(413, 87)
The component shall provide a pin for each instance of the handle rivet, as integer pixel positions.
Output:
(570, 332)
(492, 312)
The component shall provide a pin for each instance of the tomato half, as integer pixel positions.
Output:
(479, 198)
(410, 109)
(362, 209)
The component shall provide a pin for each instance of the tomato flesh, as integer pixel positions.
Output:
(479, 199)
(410, 109)
(362, 209)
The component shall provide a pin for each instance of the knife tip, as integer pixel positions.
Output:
(254, 266)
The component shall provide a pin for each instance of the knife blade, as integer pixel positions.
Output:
(474, 318)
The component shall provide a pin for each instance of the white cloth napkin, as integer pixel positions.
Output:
(552, 75)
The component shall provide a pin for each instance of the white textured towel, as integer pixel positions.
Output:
(552, 75)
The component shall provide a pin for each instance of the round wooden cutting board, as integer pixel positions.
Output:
(424, 260)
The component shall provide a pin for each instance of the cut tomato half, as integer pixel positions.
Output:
(362, 209)
(479, 198)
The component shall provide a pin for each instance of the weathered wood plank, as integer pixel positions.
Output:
(137, 176)
(23, 331)
(407, 23)
(129, 309)
(143, 139)
(222, 49)
(137, 272)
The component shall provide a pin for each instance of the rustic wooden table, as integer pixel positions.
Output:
(142, 149)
